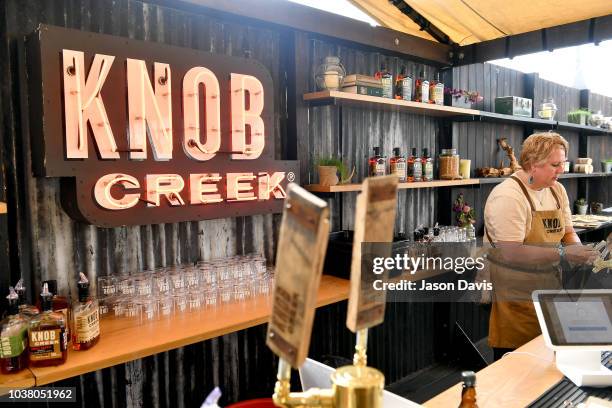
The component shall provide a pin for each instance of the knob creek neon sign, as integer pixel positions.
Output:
(146, 133)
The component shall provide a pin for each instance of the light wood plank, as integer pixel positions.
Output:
(343, 188)
(514, 381)
(2, 208)
(22, 379)
(121, 340)
(347, 98)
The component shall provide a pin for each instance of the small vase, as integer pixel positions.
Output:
(328, 175)
(470, 232)
(581, 209)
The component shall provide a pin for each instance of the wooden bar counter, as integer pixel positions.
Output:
(514, 381)
(123, 340)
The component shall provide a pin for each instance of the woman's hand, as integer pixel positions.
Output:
(581, 254)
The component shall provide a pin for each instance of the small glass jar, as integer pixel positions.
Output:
(330, 74)
(548, 109)
(449, 164)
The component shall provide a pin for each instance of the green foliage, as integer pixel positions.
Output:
(334, 161)
(581, 202)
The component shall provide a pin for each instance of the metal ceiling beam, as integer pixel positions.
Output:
(593, 30)
(422, 22)
(287, 14)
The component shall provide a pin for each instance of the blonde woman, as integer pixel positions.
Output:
(528, 218)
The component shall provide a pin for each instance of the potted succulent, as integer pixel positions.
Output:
(581, 206)
(460, 98)
(329, 168)
(606, 166)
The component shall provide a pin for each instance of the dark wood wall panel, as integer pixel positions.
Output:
(601, 103)
(567, 99)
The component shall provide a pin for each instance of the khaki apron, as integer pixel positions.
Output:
(514, 323)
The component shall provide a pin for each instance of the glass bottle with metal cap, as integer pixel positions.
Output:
(468, 393)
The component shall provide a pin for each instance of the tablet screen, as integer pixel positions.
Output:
(578, 319)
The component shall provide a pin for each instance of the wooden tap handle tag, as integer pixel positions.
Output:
(374, 222)
(302, 243)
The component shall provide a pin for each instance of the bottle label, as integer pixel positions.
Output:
(387, 84)
(14, 344)
(380, 168)
(418, 171)
(438, 94)
(399, 170)
(407, 89)
(87, 326)
(47, 344)
(424, 91)
(428, 173)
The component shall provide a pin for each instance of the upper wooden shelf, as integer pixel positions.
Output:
(456, 114)
(342, 188)
(122, 340)
(346, 98)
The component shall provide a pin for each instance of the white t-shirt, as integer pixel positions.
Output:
(507, 212)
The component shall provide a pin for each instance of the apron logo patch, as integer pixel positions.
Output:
(551, 224)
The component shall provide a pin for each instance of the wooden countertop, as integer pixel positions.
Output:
(22, 379)
(122, 340)
(514, 381)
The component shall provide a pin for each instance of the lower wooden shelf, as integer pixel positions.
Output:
(342, 188)
(122, 340)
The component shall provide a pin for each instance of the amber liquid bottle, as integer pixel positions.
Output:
(377, 164)
(397, 165)
(85, 318)
(47, 335)
(468, 393)
(13, 337)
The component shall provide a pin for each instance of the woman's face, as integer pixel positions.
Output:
(547, 173)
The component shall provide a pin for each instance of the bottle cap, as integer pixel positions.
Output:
(83, 287)
(46, 298)
(377, 151)
(396, 151)
(468, 378)
(414, 150)
(20, 290)
(425, 152)
(52, 285)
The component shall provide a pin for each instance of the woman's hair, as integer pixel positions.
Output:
(538, 146)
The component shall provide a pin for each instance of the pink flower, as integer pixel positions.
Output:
(466, 209)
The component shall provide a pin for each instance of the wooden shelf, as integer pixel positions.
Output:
(497, 180)
(456, 114)
(123, 340)
(22, 379)
(346, 98)
(343, 188)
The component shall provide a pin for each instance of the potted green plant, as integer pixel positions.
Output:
(606, 166)
(329, 168)
(581, 206)
(460, 98)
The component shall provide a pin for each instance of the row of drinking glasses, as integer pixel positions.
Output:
(451, 234)
(167, 291)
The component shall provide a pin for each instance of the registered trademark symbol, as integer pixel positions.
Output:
(290, 176)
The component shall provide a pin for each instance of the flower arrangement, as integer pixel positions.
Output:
(464, 214)
(471, 96)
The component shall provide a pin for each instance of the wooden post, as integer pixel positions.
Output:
(302, 244)
(374, 221)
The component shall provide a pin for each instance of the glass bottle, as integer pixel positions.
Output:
(417, 169)
(13, 337)
(421, 89)
(397, 165)
(387, 81)
(377, 164)
(436, 91)
(410, 166)
(403, 86)
(427, 165)
(27, 310)
(47, 335)
(468, 392)
(59, 303)
(85, 318)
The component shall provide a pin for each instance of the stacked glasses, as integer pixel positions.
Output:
(164, 292)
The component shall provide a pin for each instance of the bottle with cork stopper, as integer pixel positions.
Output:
(468, 392)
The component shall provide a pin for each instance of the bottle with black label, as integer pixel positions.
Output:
(85, 318)
(377, 164)
(427, 165)
(387, 81)
(47, 335)
(13, 337)
(417, 166)
(468, 391)
(397, 165)
(403, 86)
